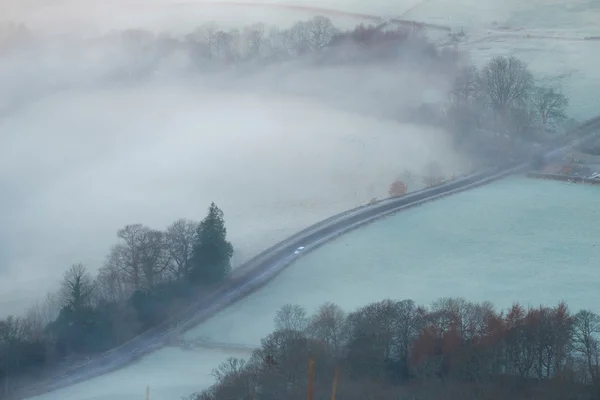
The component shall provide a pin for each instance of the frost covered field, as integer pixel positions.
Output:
(530, 242)
(171, 374)
(515, 240)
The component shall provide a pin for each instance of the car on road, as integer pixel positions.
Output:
(299, 249)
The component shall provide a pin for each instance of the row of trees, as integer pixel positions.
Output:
(148, 276)
(454, 349)
(209, 47)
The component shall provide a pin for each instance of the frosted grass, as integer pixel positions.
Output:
(171, 373)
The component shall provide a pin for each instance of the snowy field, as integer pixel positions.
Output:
(515, 240)
(274, 185)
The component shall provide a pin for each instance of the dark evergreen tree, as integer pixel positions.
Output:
(211, 256)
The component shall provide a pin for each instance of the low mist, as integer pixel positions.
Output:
(86, 149)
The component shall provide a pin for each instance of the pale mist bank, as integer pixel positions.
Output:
(276, 147)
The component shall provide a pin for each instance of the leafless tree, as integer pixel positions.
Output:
(227, 45)
(42, 313)
(550, 105)
(296, 39)
(155, 258)
(231, 366)
(586, 334)
(329, 325)
(207, 35)
(280, 49)
(507, 82)
(141, 256)
(466, 87)
(410, 320)
(373, 337)
(291, 317)
(77, 288)
(449, 311)
(234, 380)
(256, 43)
(179, 237)
(110, 282)
(201, 43)
(318, 32)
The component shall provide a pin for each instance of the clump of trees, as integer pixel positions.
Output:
(147, 277)
(398, 349)
(495, 110)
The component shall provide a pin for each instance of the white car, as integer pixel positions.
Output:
(299, 249)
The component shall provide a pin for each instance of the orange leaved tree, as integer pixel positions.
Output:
(397, 189)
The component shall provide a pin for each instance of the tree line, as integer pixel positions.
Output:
(209, 46)
(148, 276)
(454, 349)
(493, 112)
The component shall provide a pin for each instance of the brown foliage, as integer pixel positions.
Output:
(456, 349)
(397, 189)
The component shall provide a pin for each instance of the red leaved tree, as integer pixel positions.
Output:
(397, 189)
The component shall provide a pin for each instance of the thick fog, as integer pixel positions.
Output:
(84, 151)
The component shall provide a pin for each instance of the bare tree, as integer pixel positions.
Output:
(230, 367)
(410, 321)
(234, 380)
(42, 313)
(449, 311)
(318, 32)
(466, 86)
(77, 288)
(226, 45)
(256, 42)
(586, 334)
(329, 325)
(507, 83)
(295, 39)
(142, 256)
(155, 258)
(110, 285)
(550, 105)
(373, 337)
(291, 317)
(180, 237)
(279, 40)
